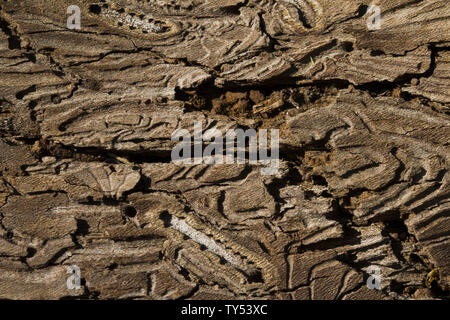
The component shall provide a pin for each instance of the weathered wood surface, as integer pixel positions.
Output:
(86, 179)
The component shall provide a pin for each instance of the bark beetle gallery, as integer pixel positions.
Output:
(93, 207)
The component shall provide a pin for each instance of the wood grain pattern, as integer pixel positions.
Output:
(86, 177)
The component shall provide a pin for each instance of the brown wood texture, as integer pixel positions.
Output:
(86, 177)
